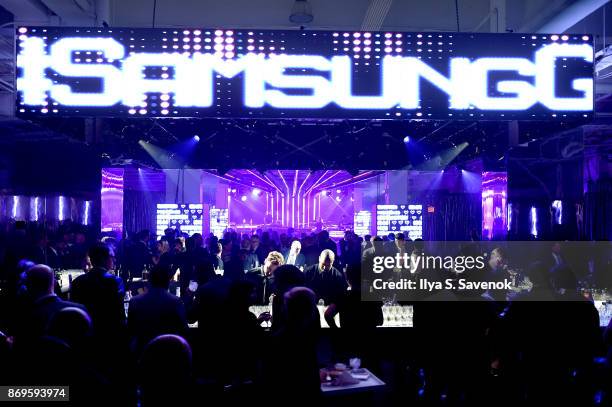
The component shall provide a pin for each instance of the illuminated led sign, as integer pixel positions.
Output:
(400, 218)
(268, 73)
(184, 217)
(362, 223)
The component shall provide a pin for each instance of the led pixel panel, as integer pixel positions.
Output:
(362, 223)
(400, 218)
(219, 221)
(184, 217)
(198, 72)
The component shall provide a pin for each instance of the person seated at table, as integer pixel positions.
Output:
(263, 277)
(73, 326)
(293, 255)
(328, 283)
(155, 312)
(291, 362)
(42, 302)
(165, 372)
(533, 325)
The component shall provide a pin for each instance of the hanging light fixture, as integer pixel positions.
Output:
(301, 13)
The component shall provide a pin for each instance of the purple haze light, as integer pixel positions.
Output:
(494, 205)
(111, 207)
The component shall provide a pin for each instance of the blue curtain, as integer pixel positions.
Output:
(139, 210)
(455, 216)
(598, 210)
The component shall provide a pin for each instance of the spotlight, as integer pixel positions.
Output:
(196, 138)
(338, 199)
(407, 139)
(301, 12)
(324, 193)
(338, 191)
(256, 192)
(243, 198)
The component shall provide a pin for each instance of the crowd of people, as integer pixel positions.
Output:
(122, 330)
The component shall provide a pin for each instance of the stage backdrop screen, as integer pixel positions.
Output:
(198, 72)
(400, 218)
(184, 217)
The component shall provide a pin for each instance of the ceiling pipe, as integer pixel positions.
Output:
(571, 15)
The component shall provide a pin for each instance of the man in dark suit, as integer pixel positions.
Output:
(156, 312)
(43, 303)
(101, 292)
(263, 277)
(293, 255)
(328, 283)
(256, 255)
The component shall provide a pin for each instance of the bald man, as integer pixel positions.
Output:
(327, 282)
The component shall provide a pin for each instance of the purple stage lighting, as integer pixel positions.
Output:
(494, 205)
(243, 198)
(407, 139)
(112, 200)
(557, 210)
(533, 221)
(256, 192)
(196, 138)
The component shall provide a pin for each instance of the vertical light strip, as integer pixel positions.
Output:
(283, 212)
(307, 210)
(533, 219)
(314, 208)
(229, 199)
(286, 197)
(295, 207)
(35, 211)
(277, 202)
(86, 213)
(61, 205)
(303, 200)
(15, 205)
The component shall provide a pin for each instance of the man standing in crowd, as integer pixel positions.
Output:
(293, 255)
(256, 256)
(157, 312)
(328, 283)
(325, 243)
(100, 291)
(263, 277)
